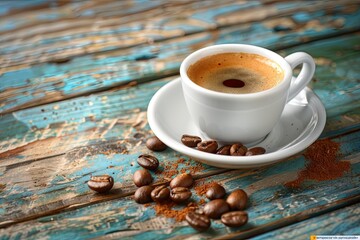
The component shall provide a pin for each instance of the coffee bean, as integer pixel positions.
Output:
(224, 150)
(142, 177)
(216, 208)
(190, 141)
(182, 180)
(238, 149)
(155, 144)
(180, 194)
(143, 194)
(147, 161)
(237, 200)
(160, 193)
(255, 151)
(234, 219)
(197, 221)
(101, 184)
(215, 191)
(208, 146)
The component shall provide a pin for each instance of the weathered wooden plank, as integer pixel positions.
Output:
(172, 20)
(12, 7)
(90, 73)
(345, 221)
(271, 202)
(117, 105)
(56, 128)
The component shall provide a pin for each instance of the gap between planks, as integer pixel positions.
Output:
(90, 199)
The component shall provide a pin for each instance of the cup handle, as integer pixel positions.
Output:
(305, 75)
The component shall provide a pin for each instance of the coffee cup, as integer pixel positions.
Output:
(246, 108)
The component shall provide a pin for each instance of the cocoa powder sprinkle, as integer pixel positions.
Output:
(321, 164)
(202, 188)
(166, 209)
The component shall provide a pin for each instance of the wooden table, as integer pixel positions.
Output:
(75, 81)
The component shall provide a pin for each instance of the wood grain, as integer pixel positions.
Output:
(56, 128)
(344, 221)
(271, 203)
(67, 189)
(75, 82)
(57, 77)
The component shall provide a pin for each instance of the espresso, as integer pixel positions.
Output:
(236, 73)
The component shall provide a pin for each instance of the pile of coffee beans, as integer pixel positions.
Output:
(142, 179)
(230, 211)
(179, 191)
(211, 146)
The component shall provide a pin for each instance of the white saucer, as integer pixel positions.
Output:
(300, 125)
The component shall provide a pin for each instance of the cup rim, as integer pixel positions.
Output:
(231, 48)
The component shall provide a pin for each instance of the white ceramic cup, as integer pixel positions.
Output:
(245, 118)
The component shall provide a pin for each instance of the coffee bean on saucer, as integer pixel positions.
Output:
(148, 161)
(180, 194)
(143, 194)
(142, 177)
(190, 141)
(238, 149)
(208, 146)
(237, 200)
(224, 150)
(160, 193)
(215, 191)
(101, 184)
(255, 151)
(234, 219)
(182, 180)
(198, 221)
(155, 144)
(216, 208)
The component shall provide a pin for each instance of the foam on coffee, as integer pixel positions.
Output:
(236, 73)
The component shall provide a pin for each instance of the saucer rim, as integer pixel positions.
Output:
(239, 161)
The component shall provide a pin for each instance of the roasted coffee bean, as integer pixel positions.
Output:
(147, 161)
(160, 193)
(238, 149)
(237, 200)
(255, 151)
(142, 177)
(216, 208)
(215, 191)
(208, 146)
(143, 194)
(198, 221)
(234, 219)
(101, 184)
(155, 144)
(180, 194)
(190, 141)
(182, 180)
(224, 150)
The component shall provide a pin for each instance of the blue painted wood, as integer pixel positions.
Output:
(342, 222)
(41, 142)
(61, 185)
(270, 201)
(92, 72)
(56, 128)
(7, 6)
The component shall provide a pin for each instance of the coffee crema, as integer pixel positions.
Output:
(237, 73)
